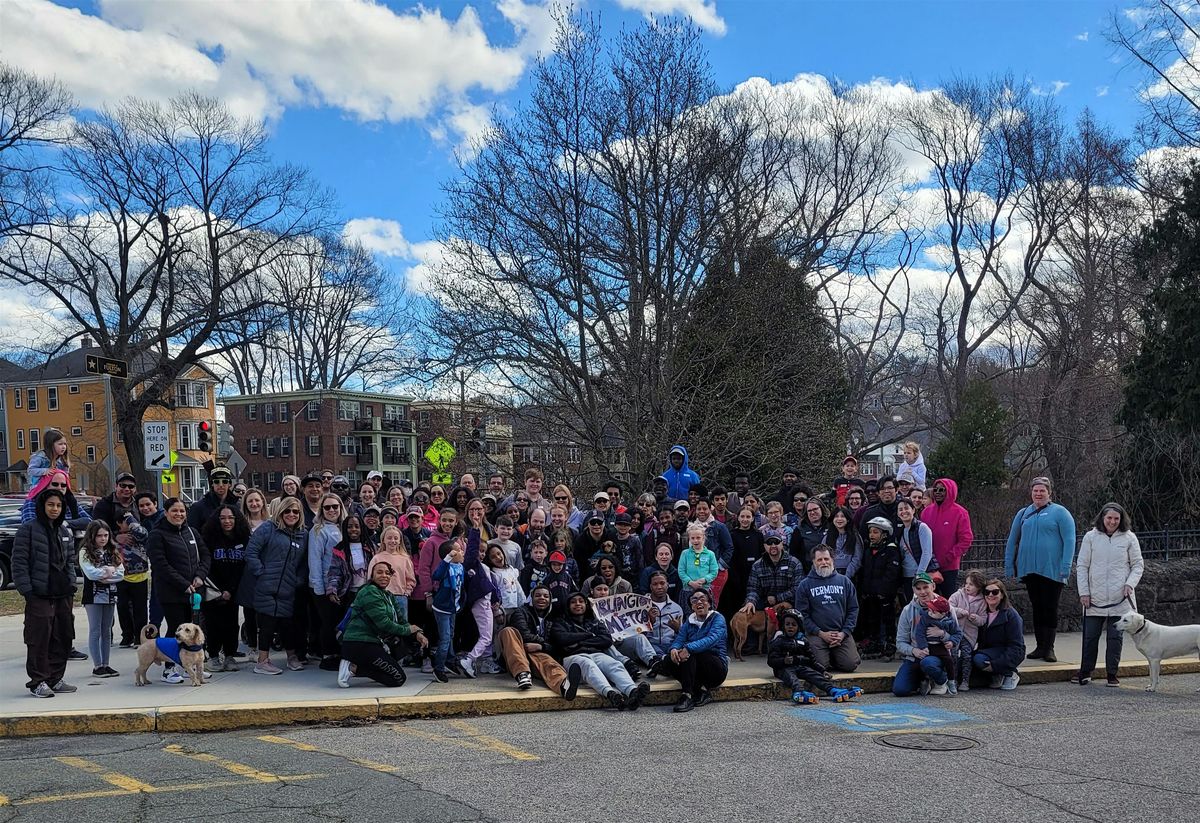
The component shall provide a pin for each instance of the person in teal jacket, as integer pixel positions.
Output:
(371, 621)
(698, 566)
(1041, 546)
(698, 658)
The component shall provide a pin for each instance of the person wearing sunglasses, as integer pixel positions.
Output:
(1001, 645)
(220, 493)
(276, 565)
(323, 538)
(77, 517)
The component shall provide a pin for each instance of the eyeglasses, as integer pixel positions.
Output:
(327, 477)
(992, 592)
(800, 499)
(332, 507)
(522, 499)
(58, 485)
(291, 511)
(561, 497)
(126, 486)
(220, 482)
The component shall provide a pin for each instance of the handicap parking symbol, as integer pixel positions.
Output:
(883, 717)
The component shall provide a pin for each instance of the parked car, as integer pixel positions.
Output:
(10, 518)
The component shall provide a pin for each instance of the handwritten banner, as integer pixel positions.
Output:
(624, 614)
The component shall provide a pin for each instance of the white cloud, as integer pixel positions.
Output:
(702, 12)
(1056, 88)
(358, 56)
(384, 237)
(1082, 38)
(1101, 91)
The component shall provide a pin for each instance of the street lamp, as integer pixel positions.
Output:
(295, 446)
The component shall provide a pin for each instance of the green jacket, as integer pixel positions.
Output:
(373, 617)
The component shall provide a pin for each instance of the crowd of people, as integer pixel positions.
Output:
(480, 579)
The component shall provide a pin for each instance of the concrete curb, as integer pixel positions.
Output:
(360, 711)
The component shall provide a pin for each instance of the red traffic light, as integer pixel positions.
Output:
(204, 426)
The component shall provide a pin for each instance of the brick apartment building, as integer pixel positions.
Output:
(350, 432)
(481, 433)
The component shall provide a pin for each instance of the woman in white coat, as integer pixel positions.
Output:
(1109, 568)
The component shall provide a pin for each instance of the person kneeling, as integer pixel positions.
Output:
(525, 646)
(698, 658)
(791, 658)
(372, 619)
(583, 639)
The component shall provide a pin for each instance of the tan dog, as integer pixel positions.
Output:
(741, 623)
(191, 653)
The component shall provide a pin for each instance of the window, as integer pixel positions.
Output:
(423, 419)
(313, 411)
(89, 411)
(393, 412)
(73, 388)
(253, 445)
(255, 480)
(20, 438)
(183, 395)
(548, 454)
(347, 409)
(346, 445)
(32, 398)
(200, 395)
(273, 480)
(186, 435)
(526, 454)
(77, 431)
(90, 454)
(251, 411)
(285, 447)
(572, 454)
(867, 469)
(120, 434)
(284, 414)
(268, 412)
(314, 445)
(35, 440)
(270, 441)
(52, 398)
(16, 398)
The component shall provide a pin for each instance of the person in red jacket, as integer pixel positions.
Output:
(952, 534)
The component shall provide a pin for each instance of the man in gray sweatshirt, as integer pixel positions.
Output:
(827, 601)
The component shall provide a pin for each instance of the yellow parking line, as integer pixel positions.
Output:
(437, 738)
(4, 801)
(240, 769)
(178, 787)
(121, 781)
(308, 747)
(493, 743)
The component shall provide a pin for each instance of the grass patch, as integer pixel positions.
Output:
(12, 603)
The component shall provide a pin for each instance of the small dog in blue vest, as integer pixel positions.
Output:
(185, 649)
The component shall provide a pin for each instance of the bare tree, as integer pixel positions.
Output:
(183, 206)
(32, 113)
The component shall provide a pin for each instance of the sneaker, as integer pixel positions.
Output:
(127, 644)
(238, 657)
(485, 665)
(1080, 679)
(964, 686)
(631, 668)
(924, 688)
(1113, 681)
(951, 688)
(295, 664)
(703, 698)
(214, 664)
(615, 699)
(654, 665)
(427, 666)
(231, 665)
(855, 691)
(343, 678)
(805, 698)
(267, 667)
(105, 671)
(938, 689)
(466, 667)
(75, 654)
(524, 681)
(997, 681)
(684, 703)
(840, 695)
(42, 690)
(637, 696)
(574, 676)
(440, 676)
(1010, 681)
(63, 687)
(172, 676)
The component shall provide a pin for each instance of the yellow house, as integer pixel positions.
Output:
(62, 395)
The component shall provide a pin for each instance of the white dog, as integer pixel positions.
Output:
(1157, 643)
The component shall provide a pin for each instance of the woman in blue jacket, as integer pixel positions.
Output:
(1041, 546)
(698, 659)
(1001, 644)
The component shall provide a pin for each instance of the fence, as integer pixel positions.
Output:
(1164, 546)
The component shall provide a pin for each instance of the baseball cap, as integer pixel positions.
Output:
(624, 517)
(682, 504)
(922, 577)
(557, 557)
(595, 519)
(600, 496)
(220, 473)
(414, 510)
(123, 476)
(773, 538)
(937, 603)
(371, 510)
(311, 477)
(371, 475)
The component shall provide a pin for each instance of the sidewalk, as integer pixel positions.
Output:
(242, 699)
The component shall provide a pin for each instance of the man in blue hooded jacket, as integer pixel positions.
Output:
(678, 476)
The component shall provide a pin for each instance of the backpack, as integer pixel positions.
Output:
(343, 623)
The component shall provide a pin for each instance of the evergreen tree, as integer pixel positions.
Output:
(759, 386)
(973, 451)
(1158, 466)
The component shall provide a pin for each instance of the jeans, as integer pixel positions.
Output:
(100, 622)
(799, 676)
(1093, 626)
(602, 672)
(445, 645)
(637, 647)
(912, 672)
(401, 606)
(965, 653)
(991, 657)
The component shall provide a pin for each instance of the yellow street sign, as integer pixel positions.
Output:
(443, 478)
(168, 477)
(440, 453)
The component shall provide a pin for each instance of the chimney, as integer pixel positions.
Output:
(85, 342)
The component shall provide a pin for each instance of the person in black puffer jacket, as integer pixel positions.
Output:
(225, 534)
(526, 646)
(276, 564)
(882, 571)
(580, 638)
(44, 572)
(791, 659)
(179, 562)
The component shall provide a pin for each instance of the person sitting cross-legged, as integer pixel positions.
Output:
(698, 659)
(791, 659)
(525, 646)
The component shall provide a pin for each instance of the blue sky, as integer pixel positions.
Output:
(374, 100)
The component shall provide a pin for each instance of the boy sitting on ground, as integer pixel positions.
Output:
(790, 657)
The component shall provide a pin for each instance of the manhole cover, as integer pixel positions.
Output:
(927, 742)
